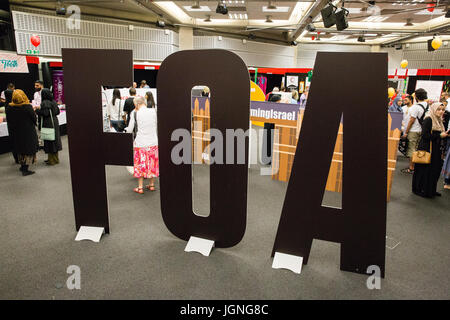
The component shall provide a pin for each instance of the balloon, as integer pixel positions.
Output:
(391, 92)
(430, 7)
(35, 40)
(436, 43)
(404, 63)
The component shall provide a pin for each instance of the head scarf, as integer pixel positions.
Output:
(46, 94)
(19, 98)
(438, 125)
(8, 95)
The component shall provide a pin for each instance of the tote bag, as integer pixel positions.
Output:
(48, 134)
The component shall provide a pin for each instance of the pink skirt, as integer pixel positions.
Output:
(146, 162)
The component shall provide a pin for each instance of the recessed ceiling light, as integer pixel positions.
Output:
(277, 9)
(200, 9)
(376, 18)
(338, 38)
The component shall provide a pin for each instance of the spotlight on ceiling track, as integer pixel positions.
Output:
(409, 23)
(196, 5)
(372, 3)
(361, 39)
(160, 24)
(341, 19)
(310, 27)
(328, 15)
(269, 19)
(271, 6)
(221, 8)
(60, 9)
(294, 43)
(208, 18)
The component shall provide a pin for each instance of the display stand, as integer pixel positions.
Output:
(199, 245)
(287, 261)
(90, 233)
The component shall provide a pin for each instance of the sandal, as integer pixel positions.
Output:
(139, 190)
(407, 170)
(150, 187)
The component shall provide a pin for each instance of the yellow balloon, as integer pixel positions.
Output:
(436, 43)
(391, 92)
(404, 63)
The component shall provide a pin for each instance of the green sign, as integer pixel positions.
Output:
(310, 73)
(32, 51)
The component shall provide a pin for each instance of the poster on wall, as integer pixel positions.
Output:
(58, 86)
(11, 62)
(301, 86)
(292, 81)
(432, 87)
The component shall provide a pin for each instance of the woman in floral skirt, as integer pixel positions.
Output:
(146, 163)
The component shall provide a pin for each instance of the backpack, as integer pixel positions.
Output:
(423, 115)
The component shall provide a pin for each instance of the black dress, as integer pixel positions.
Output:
(23, 124)
(46, 121)
(426, 176)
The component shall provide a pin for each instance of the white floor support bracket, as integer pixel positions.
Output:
(90, 233)
(199, 245)
(287, 261)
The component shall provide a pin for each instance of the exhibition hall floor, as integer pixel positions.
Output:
(141, 259)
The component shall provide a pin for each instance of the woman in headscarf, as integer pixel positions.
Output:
(426, 176)
(47, 112)
(22, 118)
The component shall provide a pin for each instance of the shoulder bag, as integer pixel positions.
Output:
(48, 133)
(421, 156)
(120, 123)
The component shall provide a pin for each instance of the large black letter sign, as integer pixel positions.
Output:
(352, 84)
(227, 77)
(85, 70)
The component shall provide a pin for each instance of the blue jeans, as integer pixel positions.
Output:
(115, 124)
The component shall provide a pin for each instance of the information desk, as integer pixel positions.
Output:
(5, 143)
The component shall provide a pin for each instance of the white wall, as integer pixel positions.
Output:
(306, 52)
(253, 53)
(147, 43)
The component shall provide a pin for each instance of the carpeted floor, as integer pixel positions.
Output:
(141, 259)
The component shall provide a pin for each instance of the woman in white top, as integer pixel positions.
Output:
(114, 111)
(146, 160)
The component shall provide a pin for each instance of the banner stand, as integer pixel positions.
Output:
(287, 261)
(199, 245)
(90, 233)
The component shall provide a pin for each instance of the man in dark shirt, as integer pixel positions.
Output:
(128, 107)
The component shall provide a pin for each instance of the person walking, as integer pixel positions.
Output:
(426, 176)
(22, 119)
(48, 112)
(128, 106)
(114, 111)
(146, 160)
(150, 99)
(414, 127)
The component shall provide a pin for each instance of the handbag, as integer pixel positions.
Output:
(48, 134)
(421, 156)
(403, 146)
(120, 123)
(135, 129)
